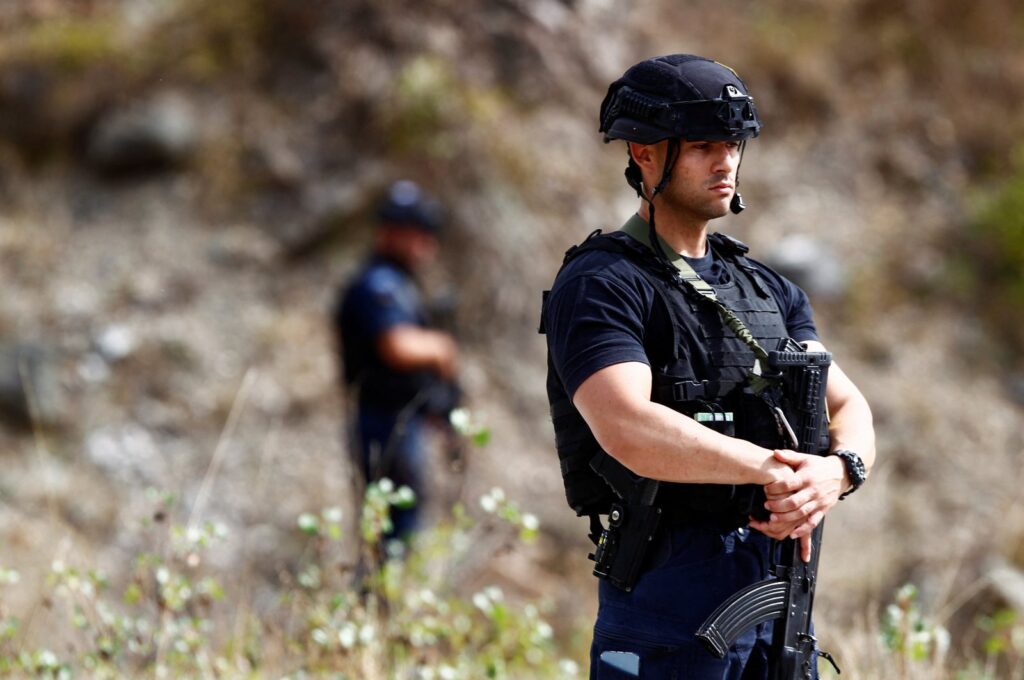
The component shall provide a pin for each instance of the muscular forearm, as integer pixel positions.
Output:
(656, 442)
(852, 428)
(660, 443)
(410, 348)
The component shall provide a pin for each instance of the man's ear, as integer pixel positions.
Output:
(642, 154)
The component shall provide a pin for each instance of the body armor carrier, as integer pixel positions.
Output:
(705, 376)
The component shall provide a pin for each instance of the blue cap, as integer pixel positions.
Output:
(407, 204)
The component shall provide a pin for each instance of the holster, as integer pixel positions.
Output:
(623, 545)
(633, 523)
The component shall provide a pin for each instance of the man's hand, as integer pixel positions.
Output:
(800, 502)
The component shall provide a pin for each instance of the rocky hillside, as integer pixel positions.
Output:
(185, 183)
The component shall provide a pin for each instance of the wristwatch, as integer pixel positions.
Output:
(854, 469)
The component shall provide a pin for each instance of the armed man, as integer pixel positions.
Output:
(398, 368)
(659, 337)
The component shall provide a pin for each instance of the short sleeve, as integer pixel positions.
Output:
(384, 301)
(593, 322)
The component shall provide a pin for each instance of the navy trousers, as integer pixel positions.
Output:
(649, 632)
(391, 445)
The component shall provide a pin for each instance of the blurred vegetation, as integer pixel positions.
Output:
(990, 264)
(399, 613)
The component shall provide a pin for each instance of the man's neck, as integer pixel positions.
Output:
(687, 237)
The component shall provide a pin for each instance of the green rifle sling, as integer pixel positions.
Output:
(636, 227)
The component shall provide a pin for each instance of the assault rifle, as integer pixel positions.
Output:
(788, 597)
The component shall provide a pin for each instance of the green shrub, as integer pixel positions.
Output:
(991, 265)
(398, 614)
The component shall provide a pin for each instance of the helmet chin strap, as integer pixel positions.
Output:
(736, 204)
(666, 175)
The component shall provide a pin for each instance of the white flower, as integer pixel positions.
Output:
(307, 522)
(568, 668)
(481, 602)
(347, 636)
(498, 493)
(446, 673)
(459, 418)
(488, 503)
(405, 495)
(333, 515)
(544, 630)
(366, 634)
(494, 593)
(47, 659)
(386, 485)
(530, 522)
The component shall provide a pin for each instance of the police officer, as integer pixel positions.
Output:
(637, 352)
(397, 368)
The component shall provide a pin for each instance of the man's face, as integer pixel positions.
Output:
(415, 247)
(703, 179)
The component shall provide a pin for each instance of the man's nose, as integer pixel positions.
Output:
(725, 159)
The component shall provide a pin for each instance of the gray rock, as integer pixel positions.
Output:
(146, 136)
(810, 264)
(127, 452)
(30, 392)
(116, 342)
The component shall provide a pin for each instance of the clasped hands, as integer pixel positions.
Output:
(803, 489)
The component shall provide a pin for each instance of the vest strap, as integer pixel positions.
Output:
(635, 227)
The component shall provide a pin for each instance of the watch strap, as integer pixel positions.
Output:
(854, 469)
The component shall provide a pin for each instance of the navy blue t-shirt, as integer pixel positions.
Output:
(383, 295)
(601, 311)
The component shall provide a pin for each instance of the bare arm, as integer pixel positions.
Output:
(656, 442)
(852, 426)
(410, 348)
(799, 504)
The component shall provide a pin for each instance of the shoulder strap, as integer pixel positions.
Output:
(689, 279)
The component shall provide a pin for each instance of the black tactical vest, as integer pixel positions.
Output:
(706, 373)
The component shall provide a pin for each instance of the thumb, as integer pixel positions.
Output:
(788, 457)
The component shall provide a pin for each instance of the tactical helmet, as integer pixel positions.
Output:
(678, 96)
(407, 204)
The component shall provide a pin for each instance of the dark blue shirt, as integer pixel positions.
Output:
(382, 296)
(602, 311)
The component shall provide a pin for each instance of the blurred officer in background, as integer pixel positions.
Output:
(397, 368)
